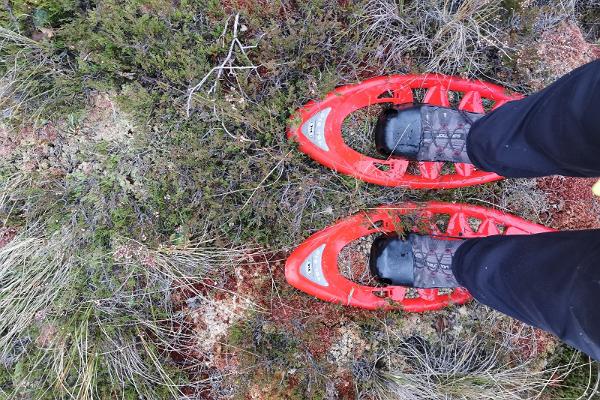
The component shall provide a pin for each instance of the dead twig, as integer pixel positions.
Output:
(226, 64)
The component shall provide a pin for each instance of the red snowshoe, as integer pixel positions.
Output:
(317, 127)
(313, 266)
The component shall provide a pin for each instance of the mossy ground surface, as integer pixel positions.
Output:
(174, 213)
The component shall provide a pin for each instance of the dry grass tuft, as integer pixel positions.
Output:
(461, 369)
(472, 352)
(449, 36)
(33, 273)
(523, 197)
(30, 71)
(52, 311)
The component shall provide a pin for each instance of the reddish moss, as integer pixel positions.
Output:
(345, 386)
(572, 203)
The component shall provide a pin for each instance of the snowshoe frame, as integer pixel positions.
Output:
(313, 266)
(317, 127)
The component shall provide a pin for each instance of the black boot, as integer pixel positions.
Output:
(419, 261)
(425, 133)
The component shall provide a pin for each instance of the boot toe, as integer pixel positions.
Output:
(398, 132)
(391, 261)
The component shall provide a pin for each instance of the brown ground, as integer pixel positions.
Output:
(572, 203)
(558, 51)
(6, 235)
(353, 261)
(326, 333)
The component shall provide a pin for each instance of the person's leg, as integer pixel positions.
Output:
(555, 131)
(548, 280)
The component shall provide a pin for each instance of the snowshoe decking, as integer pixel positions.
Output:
(313, 266)
(317, 127)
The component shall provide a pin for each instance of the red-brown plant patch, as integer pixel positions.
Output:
(572, 203)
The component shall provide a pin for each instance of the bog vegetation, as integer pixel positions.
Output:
(144, 164)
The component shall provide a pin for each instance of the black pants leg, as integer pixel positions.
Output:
(555, 131)
(548, 280)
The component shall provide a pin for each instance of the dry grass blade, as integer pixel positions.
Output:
(185, 262)
(30, 74)
(450, 36)
(33, 273)
(462, 370)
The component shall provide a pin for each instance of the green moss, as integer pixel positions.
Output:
(575, 384)
(236, 334)
(6, 381)
(512, 6)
